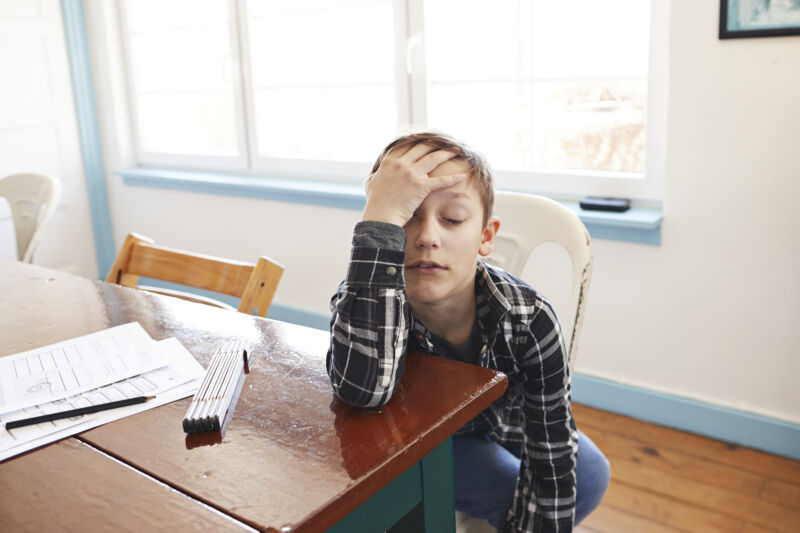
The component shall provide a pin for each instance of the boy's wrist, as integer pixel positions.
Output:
(375, 234)
(377, 214)
(377, 256)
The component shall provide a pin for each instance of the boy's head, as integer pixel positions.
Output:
(480, 174)
(448, 230)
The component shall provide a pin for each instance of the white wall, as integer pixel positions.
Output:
(711, 314)
(38, 130)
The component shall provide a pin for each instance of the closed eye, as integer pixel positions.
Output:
(453, 221)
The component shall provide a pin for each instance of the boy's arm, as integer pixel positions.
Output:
(369, 326)
(545, 494)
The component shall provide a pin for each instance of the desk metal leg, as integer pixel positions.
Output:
(437, 489)
(429, 482)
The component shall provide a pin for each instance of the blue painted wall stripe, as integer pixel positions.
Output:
(341, 195)
(88, 131)
(642, 226)
(722, 423)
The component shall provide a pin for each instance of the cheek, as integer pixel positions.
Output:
(466, 243)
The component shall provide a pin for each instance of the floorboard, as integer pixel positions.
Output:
(664, 479)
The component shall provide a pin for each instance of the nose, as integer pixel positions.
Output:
(428, 235)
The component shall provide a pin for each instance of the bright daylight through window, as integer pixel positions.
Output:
(259, 86)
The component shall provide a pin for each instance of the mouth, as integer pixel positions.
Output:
(425, 266)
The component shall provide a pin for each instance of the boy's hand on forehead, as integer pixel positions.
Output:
(402, 182)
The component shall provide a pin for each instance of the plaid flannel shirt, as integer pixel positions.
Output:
(521, 337)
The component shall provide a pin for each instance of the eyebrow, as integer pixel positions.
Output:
(457, 195)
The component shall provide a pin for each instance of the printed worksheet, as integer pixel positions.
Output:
(74, 366)
(179, 378)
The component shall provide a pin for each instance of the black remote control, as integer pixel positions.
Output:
(594, 203)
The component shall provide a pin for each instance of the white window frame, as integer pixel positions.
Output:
(410, 88)
(308, 169)
(237, 163)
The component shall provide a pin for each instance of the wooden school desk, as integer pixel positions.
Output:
(68, 486)
(293, 457)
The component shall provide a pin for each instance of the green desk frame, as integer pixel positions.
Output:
(429, 481)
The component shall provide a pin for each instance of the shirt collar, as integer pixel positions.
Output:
(492, 303)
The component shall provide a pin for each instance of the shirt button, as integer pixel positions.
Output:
(391, 271)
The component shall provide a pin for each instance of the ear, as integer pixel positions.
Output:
(487, 238)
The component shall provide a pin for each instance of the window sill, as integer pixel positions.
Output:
(638, 225)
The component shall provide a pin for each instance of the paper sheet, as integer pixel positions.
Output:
(74, 366)
(179, 378)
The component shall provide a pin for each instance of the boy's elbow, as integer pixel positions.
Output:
(362, 398)
(358, 389)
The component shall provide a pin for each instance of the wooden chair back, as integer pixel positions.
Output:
(255, 285)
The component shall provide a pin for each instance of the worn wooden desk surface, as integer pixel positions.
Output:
(68, 486)
(293, 457)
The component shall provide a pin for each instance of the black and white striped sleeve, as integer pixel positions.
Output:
(369, 323)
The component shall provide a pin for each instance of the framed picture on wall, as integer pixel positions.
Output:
(758, 18)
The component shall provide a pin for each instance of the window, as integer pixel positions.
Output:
(185, 96)
(563, 97)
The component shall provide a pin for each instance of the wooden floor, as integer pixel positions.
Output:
(667, 480)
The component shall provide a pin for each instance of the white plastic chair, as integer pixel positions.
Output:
(33, 199)
(528, 221)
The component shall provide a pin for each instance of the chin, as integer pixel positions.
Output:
(422, 296)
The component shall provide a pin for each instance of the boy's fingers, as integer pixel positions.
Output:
(418, 151)
(442, 182)
(399, 151)
(434, 159)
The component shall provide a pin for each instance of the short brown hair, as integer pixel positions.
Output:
(480, 171)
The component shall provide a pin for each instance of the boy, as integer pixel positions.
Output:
(415, 283)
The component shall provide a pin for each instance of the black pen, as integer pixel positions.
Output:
(76, 412)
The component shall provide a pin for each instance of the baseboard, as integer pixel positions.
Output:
(721, 423)
(295, 315)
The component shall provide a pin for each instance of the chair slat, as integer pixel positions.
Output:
(255, 285)
(203, 272)
(261, 287)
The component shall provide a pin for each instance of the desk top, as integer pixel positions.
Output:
(68, 486)
(293, 457)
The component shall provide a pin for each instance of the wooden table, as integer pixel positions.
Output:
(293, 457)
(69, 486)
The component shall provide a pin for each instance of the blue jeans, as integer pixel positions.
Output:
(486, 475)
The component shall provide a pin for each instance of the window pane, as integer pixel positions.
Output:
(323, 78)
(181, 69)
(487, 40)
(541, 84)
(333, 123)
(592, 125)
(501, 131)
(158, 15)
(187, 123)
(588, 38)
